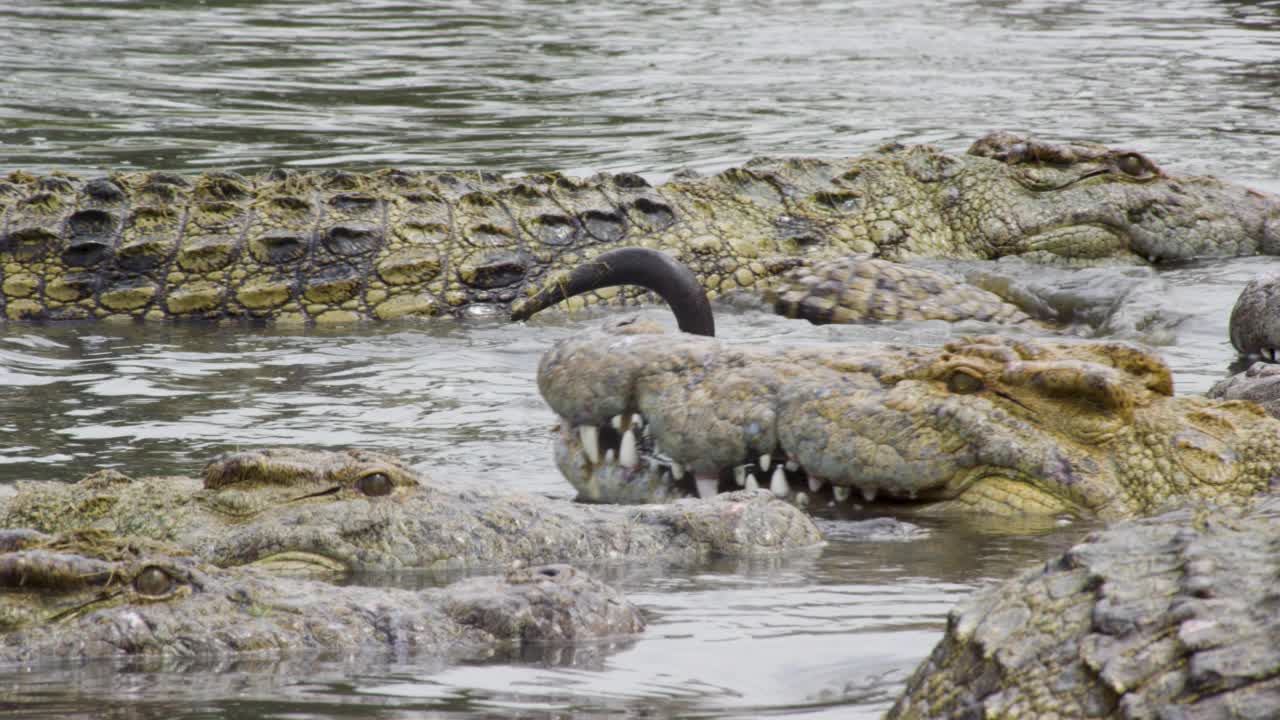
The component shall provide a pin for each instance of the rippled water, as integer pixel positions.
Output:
(581, 87)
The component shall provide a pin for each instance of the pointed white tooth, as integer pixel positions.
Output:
(708, 485)
(792, 466)
(627, 456)
(589, 436)
(740, 475)
(766, 461)
(677, 470)
(778, 483)
(802, 499)
(869, 493)
(816, 483)
(608, 456)
(616, 422)
(637, 420)
(750, 483)
(841, 492)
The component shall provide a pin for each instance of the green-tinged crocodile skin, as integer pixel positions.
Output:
(299, 510)
(985, 425)
(335, 246)
(93, 594)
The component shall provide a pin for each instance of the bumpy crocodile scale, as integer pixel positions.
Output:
(989, 425)
(94, 594)
(337, 246)
(1166, 617)
(320, 511)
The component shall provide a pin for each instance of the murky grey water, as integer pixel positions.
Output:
(569, 85)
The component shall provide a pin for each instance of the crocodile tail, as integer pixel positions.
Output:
(650, 269)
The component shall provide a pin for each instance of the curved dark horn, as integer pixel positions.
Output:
(647, 268)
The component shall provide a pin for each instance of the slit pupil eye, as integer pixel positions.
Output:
(153, 581)
(1132, 165)
(963, 383)
(374, 484)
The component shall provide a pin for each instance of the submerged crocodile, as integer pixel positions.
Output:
(1254, 330)
(336, 246)
(93, 594)
(1166, 617)
(307, 510)
(989, 424)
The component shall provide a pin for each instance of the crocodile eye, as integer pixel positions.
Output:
(153, 582)
(1133, 165)
(374, 484)
(963, 383)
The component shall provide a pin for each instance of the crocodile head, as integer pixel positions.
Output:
(1085, 201)
(90, 593)
(296, 511)
(750, 228)
(985, 425)
(239, 489)
(1008, 195)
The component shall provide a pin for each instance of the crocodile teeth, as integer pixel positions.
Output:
(708, 485)
(841, 492)
(677, 470)
(766, 461)
(778, 483)
(750, 483)
(616, 422)
(589, 435)
(740, 475)
(802, 499)
(627, 456)
(637, 420)
(609, 456)
(792, 466)
(869, 494)
(816, 483)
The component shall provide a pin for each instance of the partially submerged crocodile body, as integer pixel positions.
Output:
(990, 424)
(337, 246)
(1166, 617)
(93, 594)
(1254, 327)
(307, 510)
(1254, 330)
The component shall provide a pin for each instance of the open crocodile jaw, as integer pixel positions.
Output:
(619, 462)
(987, 425)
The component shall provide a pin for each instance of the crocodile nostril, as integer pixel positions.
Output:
(549, 571)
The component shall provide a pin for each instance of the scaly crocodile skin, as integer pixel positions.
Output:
(337, 246)
(299, 510)
(989, 425)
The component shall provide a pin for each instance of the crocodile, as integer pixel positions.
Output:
(324, 512)
(1254, 327)
(987, 424)
(1255, 334)
(1259, 383)
(1171, 616)
(337, 246)
(90, 593)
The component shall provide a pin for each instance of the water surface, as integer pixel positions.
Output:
(581, 87)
